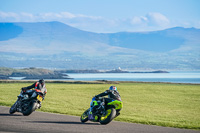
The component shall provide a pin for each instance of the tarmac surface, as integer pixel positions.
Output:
(56, 123)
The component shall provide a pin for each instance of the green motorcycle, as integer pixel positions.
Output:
(99, 112)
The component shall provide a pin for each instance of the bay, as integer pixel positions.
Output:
(174, 77)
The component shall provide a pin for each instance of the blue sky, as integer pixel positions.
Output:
(105, 16)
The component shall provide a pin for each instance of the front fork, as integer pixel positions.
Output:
(17, 105)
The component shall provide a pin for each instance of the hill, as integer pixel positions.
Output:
(30, 73)
(58, 45)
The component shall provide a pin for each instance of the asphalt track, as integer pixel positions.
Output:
(54, 123)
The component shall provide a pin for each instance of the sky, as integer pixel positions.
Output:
(105, 16)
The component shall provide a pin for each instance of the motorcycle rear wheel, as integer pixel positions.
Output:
(30, 109)
(108, 117)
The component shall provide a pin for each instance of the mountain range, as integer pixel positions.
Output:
(57, 45)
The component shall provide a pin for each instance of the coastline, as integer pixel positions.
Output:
(100, 76)
(90, 82)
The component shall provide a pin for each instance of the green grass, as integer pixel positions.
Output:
(171, 105)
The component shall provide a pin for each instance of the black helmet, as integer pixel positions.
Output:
(41, 81)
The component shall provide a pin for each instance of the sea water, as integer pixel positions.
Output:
(174, 77)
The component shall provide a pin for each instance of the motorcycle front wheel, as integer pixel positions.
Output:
(108, 116)
(13, 108)
(84, 116)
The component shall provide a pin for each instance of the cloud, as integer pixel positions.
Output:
(138, 20)
(157, 19)
(84, 22)
(20, 17)
(8, 16)
(149, 22)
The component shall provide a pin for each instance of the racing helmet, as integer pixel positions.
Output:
(41, 81)
(113, 88)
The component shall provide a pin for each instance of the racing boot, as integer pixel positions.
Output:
(117, 114)
(40, 105)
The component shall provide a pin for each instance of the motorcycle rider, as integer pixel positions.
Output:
(40, 85)
(113, 94)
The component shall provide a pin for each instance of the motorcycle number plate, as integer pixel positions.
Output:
(39, 98)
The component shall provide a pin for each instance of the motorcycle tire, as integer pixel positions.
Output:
(13, 108)
(108, 117)
(30, 109)
(84, 116)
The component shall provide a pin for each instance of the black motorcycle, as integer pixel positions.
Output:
(27, 102)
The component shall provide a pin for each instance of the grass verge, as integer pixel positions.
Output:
(170, 105)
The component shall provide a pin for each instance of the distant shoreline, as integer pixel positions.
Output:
(39, 73)
(91, 82)
(109, 71)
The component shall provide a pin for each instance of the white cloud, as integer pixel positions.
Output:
(136, 20)
(148, 22)
(151, 20)
(67, 15)
(157, 19)
(8, 16)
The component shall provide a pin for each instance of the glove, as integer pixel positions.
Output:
(96, 98)
(23, 89)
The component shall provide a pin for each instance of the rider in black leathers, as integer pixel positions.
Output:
(113, 94)
(40, 85)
